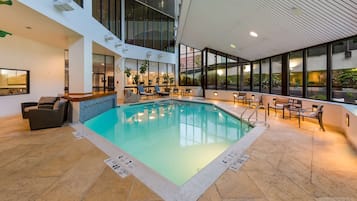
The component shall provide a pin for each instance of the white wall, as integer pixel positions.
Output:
(46, 65)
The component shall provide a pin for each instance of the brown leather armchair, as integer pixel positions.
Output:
(44, 103)
(48, 118)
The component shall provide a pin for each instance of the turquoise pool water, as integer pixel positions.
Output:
(174, 138)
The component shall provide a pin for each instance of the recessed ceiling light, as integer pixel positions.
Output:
(232, 45)
(253, 34)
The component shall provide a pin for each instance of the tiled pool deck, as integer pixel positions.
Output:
(286, 163)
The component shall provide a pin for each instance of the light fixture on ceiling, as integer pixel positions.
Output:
(253, 34)
(64, 5)
(8, 2)
(233, 46)
(108, 37)
(118, 44)
(125, 49)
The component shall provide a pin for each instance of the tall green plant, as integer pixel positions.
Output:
(144, 66)
(127, 72)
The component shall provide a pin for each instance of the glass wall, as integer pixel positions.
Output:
(316, 72)
(344, 71)
(190, 66)
(221, 72)
(171, 74)
(147, 27)
(154, 78)
(233, 74)
(108, 13)
(182, 64)
(197, 66)
(276, 76)
(103, 73)
(265, 76)
(155, 73)
(246, 77)
(256, 76)
(165, 6)
(211, 70)
(131, 72)
(296, 73)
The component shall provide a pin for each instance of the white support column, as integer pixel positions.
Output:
(80, 66)
(119, 77)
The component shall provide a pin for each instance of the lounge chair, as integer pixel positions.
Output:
(175, 91)
(240, 97)
(187, 92)
(256, 101)
(315, 112)
(157, 90)
(142, 91)
(279, 104)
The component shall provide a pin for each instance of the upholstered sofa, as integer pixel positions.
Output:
(48, 113)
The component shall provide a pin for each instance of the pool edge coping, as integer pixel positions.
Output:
(196, 185)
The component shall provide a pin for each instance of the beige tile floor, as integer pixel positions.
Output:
(286, 163)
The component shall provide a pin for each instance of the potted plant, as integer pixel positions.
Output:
(127, 72)
(136, 79)
(144, 66)
(166, 78)
(171, 80)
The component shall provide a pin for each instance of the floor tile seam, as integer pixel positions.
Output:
(257, 186)
(312, 156)
(229, 198)
(83, 195)
(40, 194)
(296, 184)
(217, 189)
(11, 161)
(58, 181)
(53, 155)
(37, 135)
(131, 189)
